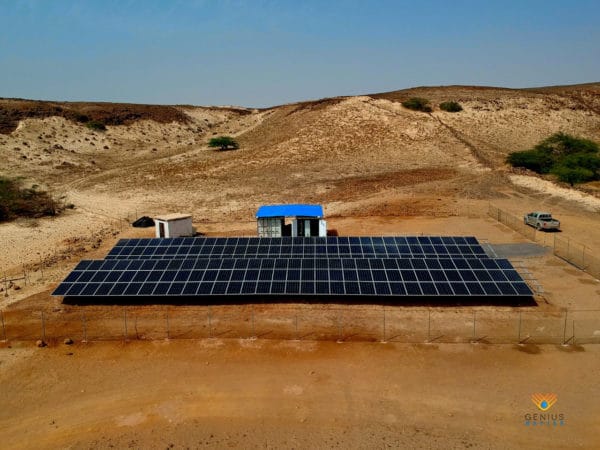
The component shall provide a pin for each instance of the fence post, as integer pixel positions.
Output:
(3, 326)
(383, 318)
(429, 326)
(125, 322)
(340, 332)
(573, 332)
(253, 335)
(520, 318)
(565, 329)
(168, 325)
(296, 324)
(84, 327)
(43, 327)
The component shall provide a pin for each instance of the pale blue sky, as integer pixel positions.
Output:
(261, 53)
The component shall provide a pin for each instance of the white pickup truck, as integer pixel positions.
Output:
(541, 221)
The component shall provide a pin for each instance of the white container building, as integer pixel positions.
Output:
(174, 225)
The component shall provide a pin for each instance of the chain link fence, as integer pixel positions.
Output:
(308, 322)
(575, 253)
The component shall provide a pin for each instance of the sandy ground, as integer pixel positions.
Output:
(272, 394)
(588, 201)
(378, 169)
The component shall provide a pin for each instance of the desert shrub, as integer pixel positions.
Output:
(573, 175)
(81, 118)
(417, 104)
(590, 161)
(562, 144)
(95, 125)
(16, 200)
(571, 159)
(534, 160)
(224, 143)
(451, 107)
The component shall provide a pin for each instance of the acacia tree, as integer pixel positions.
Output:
(571, 159)
(224, 143)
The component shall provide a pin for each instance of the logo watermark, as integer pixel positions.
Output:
(544, 402)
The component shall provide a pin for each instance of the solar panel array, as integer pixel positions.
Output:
(360, 276)
(329, 247)
(333, 266)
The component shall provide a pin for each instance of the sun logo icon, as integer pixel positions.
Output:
(543, 401)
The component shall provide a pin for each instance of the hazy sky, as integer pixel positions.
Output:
(262, 53)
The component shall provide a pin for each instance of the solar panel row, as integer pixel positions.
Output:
(452, 240)
(296, 263)
(397, 277)
(295, 247)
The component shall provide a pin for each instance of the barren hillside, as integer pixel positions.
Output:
(356, 155)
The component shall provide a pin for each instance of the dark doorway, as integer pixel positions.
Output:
(314, 227)
(286, 230)
(310, 225)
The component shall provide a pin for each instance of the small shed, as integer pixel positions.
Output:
(291, 220)
(174, 225)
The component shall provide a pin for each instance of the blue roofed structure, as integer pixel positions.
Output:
(291, 220)
(312, 211)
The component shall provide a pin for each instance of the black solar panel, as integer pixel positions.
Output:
(286, 247)
(448, 277)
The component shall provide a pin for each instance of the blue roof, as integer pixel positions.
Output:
(290, 211)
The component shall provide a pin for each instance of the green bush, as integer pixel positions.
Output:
(589, 161)
(535, 160)
(19, 201)
(573, 175)
(224, 143)
(95, 125)
(417, 104)
(451, 107)
(571, 159)
(562, 144)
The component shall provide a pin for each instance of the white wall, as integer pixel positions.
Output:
(322, 227)
(175, 228)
